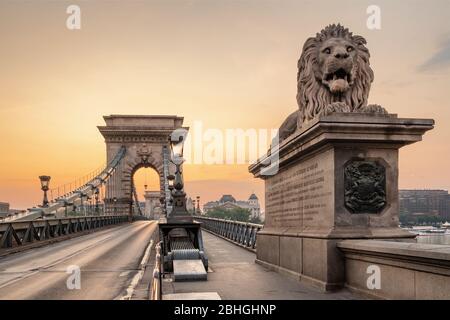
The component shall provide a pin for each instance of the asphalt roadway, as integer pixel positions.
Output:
(102, 265)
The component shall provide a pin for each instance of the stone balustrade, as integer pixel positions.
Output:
(406, 270)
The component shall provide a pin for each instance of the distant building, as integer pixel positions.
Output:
(4, 209)
(425, 202)
(228, 202)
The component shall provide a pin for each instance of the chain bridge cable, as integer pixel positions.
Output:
(85, 189)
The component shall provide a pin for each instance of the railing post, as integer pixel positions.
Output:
(247, 235)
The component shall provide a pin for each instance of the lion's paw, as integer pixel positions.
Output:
(336, 107)
(375, 108)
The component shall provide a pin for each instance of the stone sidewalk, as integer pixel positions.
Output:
(233, 274)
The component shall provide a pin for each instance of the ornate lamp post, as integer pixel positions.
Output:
(96, 195)
(198, 206)
(179, 223)
(115, 207)
(82, 206)
(89, 206)
(176, 184)
(176, 145)
(45, 180)
(170, 179)
(65, 208)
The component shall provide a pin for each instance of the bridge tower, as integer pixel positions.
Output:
(145, 138)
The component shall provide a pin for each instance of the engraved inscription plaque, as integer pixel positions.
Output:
(302, 195)
(365, 186)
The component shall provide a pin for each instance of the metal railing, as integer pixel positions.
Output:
(14, 216)
(19, 233)
(241, 233)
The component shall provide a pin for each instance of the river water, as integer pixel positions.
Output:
(434, 239)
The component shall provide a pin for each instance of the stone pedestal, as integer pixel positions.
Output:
(337, 179)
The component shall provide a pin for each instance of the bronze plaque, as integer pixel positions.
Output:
(365, 186)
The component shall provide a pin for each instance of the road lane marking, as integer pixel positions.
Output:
(138, 276)
(28, 273)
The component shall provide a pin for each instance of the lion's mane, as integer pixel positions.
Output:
(312, 95)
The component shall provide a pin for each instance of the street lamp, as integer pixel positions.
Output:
(177, 139)
(89, 205)
(176, 185)
(115, 208)
(170, 180)
(198, 205)
(45, 180)
(96, 195)
(179, 221)
(82, 206)
(65, 208)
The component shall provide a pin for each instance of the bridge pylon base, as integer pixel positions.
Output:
(337, 179)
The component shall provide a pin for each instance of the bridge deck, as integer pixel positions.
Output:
(108, 260)
(235, 275)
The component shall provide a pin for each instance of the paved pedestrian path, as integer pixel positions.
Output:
(234, 274)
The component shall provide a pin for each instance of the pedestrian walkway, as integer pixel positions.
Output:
(234, 274)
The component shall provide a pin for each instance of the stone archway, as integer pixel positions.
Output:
(146, 141)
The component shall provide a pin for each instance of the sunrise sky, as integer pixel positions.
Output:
(229, 64)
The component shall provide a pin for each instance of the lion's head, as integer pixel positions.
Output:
(333, 67)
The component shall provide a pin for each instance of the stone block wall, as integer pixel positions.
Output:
(406, 270)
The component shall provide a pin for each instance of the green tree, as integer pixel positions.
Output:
(256, 220)
(238, 214)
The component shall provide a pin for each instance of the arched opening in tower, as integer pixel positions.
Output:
(147, 189)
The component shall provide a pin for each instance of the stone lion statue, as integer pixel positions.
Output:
(334, 75)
